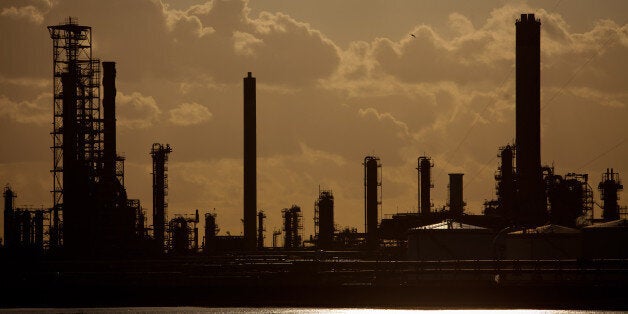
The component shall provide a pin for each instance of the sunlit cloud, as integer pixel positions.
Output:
(136, 111)
(189, 114)
(36, 111)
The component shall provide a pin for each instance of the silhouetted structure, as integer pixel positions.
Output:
(160, 153)
(424, 168)
(372, 199)
(88, 175)
(119, 217)
(506, 182)
(23, 227)
(530, 193)
(183, 234)
(76, 101)
(140, 222)
(456, 203)
(609, 188)
(291, 226)
(250, 162)
(324, 219)
(10, 236)
(570, 199)
(211, 229)
(276, 234)
(260, 229)
(113, 164)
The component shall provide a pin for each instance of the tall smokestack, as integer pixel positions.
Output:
(109, 107)
(250, 163)
(531, 199)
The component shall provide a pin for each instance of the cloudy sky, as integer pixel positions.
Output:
(336, 81)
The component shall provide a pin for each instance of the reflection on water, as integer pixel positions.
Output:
(280, 310)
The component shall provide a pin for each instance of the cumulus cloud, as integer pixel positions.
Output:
(597, 97)
(28, 12)
(36, 111)
(189, 114)
(136, 111)
(244, 43)
(26, 82)
(387, 118)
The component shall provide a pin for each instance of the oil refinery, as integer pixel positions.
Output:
(537, 235)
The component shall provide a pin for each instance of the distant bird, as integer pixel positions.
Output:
(412, 35)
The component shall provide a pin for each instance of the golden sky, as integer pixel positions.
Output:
(336, 81)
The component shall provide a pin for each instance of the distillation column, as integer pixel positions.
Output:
(160, 153)
(609, 188)
(325, 219)
(372, 185)
(425, 184)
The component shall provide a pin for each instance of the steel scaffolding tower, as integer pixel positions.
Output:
(72, 54)
(160, 153)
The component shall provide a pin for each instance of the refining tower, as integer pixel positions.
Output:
(424, 168)
(372, 199)
(77, 130)
(160, 153)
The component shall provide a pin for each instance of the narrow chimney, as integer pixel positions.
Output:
(530, 193)
(250, 163)
(109, 107)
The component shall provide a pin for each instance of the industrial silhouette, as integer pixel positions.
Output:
(250, 162)
(540, 226)
(529, 207)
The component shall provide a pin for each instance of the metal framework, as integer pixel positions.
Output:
(160, 153)
(609, 188)
(291, 226)
(324, 218)
(587, 192)
(183, 234)
(72, 53)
